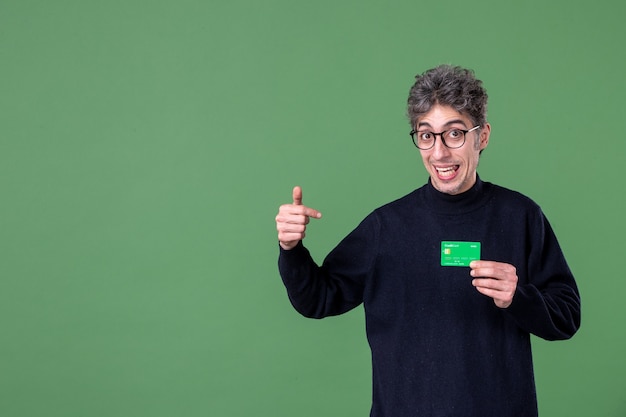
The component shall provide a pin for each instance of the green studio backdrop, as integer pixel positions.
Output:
(145, 147)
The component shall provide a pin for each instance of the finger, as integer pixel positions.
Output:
(490, 269)
(297, 201)
(291, 228)
(482, 264)
(297, 214)
(312, 213)
(490, 283)
(297, 195)
(490, 292)
(493, 265)
(485, 272)
(290, 237)
(494, 286)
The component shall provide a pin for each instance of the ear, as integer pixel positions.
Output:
(485, 132)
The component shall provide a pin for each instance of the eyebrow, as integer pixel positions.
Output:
(451, 122)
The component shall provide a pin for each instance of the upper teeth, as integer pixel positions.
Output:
(445, 169)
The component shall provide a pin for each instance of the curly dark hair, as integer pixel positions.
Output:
(448, 85)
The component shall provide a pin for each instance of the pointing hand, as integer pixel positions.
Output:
(292, 219)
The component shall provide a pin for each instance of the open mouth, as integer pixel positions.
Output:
(447, 172)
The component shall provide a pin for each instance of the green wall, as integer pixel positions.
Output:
(145, 147)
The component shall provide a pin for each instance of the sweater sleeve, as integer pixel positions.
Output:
(547, 303)
(336, 286)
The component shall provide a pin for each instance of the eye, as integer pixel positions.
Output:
(426, 136)
(455, 134)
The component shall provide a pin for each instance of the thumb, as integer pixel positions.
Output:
(297, 196)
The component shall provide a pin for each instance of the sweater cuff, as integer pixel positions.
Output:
(294, 253)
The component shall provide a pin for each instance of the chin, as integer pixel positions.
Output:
(451, 188)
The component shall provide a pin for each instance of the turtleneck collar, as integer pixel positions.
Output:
(467, 201)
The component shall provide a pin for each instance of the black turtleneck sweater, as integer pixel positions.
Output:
(439, 347)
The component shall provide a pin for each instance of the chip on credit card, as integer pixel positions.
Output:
(459, 253)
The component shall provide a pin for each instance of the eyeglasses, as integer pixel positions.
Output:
(453, 138)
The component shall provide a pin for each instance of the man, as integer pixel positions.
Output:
(454, 277)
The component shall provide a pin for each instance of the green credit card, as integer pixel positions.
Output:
(459, 253)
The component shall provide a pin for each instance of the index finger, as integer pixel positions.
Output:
(477, 264)
(312, 213)
(489, 264)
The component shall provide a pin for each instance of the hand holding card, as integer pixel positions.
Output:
(497, 280)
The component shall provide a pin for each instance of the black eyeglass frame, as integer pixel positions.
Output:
(465, 132)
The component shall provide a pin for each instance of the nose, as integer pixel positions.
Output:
(440, 150)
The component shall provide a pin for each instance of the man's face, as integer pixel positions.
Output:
(452, 171)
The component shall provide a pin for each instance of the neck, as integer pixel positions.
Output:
(462, 202)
